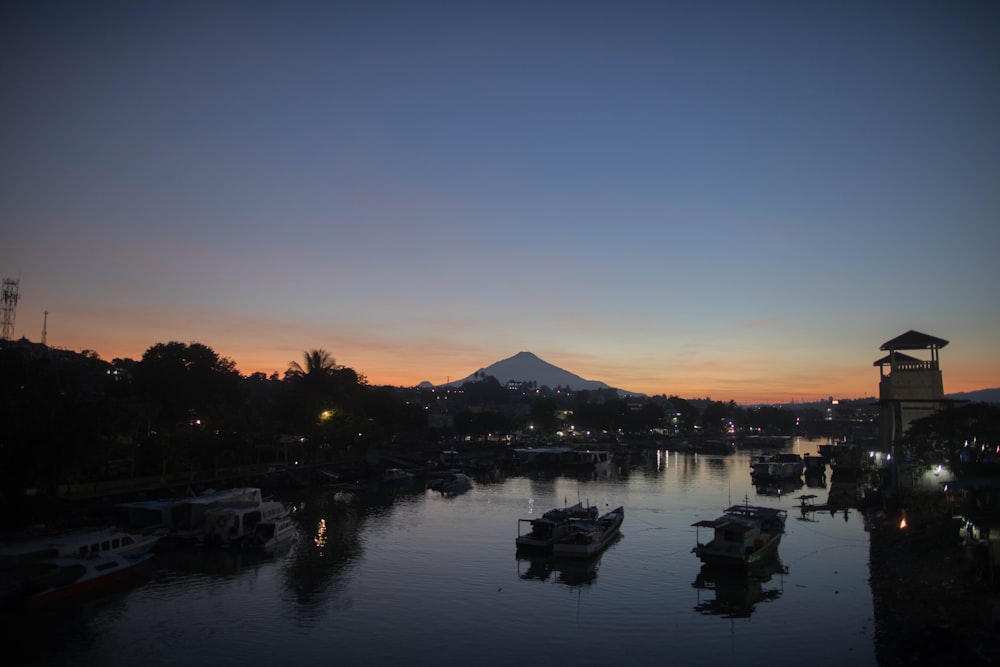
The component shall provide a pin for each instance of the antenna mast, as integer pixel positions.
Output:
(45, 327)
(8, 308)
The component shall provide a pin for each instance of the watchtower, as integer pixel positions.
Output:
(909, 388)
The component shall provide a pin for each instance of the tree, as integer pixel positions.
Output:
(323, 392)
(186, 383)
(961, 435)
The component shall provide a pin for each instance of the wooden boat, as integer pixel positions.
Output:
(743, 536)
(76, 575)
(553, 525)
(589, 537)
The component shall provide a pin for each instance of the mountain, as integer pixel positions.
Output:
(978, 396)
(526, 367)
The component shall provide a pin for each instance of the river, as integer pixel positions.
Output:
(381, 578)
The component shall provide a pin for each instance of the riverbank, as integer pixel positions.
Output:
(931, 606)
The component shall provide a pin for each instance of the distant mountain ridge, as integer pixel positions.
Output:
(978, 396)
(527, 367)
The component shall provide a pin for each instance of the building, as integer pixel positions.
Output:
(910, 388)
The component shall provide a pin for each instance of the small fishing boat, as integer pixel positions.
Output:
(76, 575)
(589, 537)
(544, 531)
(744, 535)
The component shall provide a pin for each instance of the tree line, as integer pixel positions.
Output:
(70, 417)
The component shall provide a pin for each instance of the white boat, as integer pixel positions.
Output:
(743, 536)
(181, 519)
(76, 575)
(452, 484)
(589, 537)
(271, 533)
(97, 541)
(544, 531)
(230, 524)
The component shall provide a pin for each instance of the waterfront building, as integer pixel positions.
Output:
(910, 388)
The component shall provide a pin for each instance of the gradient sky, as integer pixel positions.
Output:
(734, 200)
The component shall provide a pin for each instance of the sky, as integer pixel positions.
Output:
(733, 200)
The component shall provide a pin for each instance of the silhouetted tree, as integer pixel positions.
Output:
(543, 414)
(962, 435)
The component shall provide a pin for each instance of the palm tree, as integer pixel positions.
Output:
(318, 364)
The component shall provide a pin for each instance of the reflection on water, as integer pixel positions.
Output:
(738, 592)
(434, 575)
(777, 488)
(566, 571)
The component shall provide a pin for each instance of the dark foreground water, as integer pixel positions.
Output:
(413, 577)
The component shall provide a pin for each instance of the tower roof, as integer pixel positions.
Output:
(913, 340)
(899, 358)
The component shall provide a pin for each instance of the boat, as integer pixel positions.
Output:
(814, 464)
(271, 533)
(776, 466)
(743, 536)
(231, 524)
(589, 537)
(452, 484)
(75, 575)
(97, 541)
(180, 520)
(598, 460)
(397, 477)
(553, 525)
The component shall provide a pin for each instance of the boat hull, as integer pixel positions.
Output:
(592, 539)
(765, 554)
(100, 573)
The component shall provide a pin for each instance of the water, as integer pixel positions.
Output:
(378, 579)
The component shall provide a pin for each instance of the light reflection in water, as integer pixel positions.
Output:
(320, 538)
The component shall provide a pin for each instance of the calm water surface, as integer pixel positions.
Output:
(377, 579)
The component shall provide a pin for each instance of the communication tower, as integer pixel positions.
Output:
(8, 308)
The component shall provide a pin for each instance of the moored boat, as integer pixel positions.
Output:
(589, 537)
(744, 535)
(229, 525)
(776, 466)
(76, 575)
(553, 525)
(271, 533)
(97, 541)
(452, 484)
(397, 477)
(180, 520)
